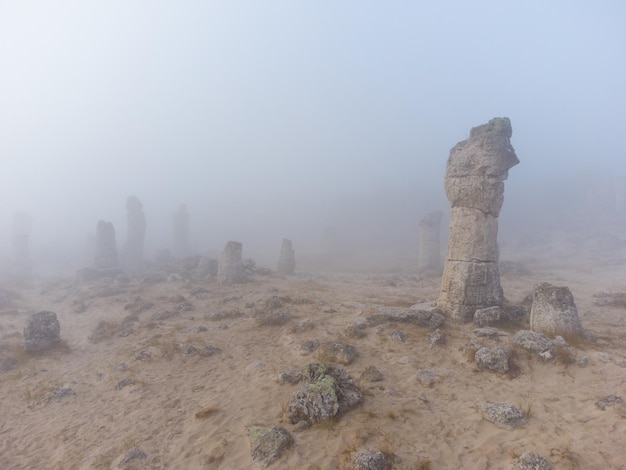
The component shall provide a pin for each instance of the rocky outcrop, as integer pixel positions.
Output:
(325, 392)
(42, 331)
(135, 235)
(429, 249)
(268, 444)
(553, 311)
(474, 184)
(287, 260)
(230, 267)
(538, 343)
(425, 318)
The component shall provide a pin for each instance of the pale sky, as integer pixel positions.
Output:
(268, 118)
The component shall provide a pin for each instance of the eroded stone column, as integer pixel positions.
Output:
(474, 184)
(230, 267)
(135, 235)
(429, 250)
(287, 260)
(106, 246)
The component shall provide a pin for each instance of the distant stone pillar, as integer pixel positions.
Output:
(21, 267)
(230, 267)
(474, 184)
(287, 260)
(181, 232)
(135, 235)
(429, 250)
(106, 247)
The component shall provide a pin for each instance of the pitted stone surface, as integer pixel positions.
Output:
(474, 184)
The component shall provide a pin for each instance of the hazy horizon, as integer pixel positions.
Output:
(277, 119)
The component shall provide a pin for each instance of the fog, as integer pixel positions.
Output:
(282, 119)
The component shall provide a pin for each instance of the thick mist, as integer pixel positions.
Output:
(326, 123)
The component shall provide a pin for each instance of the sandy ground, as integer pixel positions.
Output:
(94, 424)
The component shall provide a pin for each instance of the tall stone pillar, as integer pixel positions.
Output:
(106, 246)
(429, 250)
(135, 235)
(474, 184)
(287, 260)
(181, 232)
(230, 267)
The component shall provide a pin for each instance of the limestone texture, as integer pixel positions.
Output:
(553, 311)
(474, 184)
(230, 267)
(42, 330)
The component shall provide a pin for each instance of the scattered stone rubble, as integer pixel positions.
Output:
(425, 318)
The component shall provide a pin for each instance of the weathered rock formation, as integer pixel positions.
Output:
(230, 267)
(553, 311)
(42, 330)
(269, 443)
(287, 260)
(325, 392)
(181, 232)
(429, 250)
(105, 255)
(474, 184)
(503, 415)
(135, 235)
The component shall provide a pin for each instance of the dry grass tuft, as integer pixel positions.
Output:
(105, 329)
(565, 356)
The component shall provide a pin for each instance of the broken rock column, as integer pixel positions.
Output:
(474, 184)
(106, 247)
(135, 235)
(230, 267)
(287, 260)
(429, 251)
